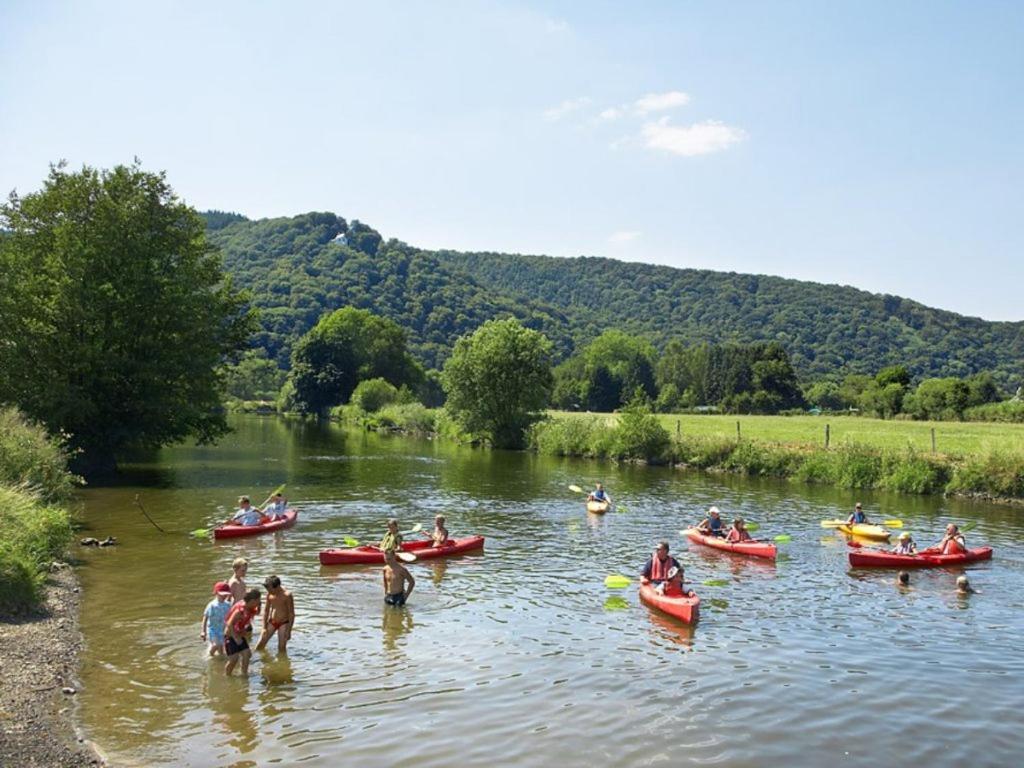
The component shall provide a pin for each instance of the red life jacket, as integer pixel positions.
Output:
(953, 547)
(659, 569)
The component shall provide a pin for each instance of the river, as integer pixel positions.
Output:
(519, 655)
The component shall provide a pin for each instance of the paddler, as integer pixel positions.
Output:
(657, 568)
(712, 524)
(952, 542)
(858, 517)
(738, 532)
(906, 545)
(246, 514)
(598, 494)
(439, 536)
(673, 585)
(277, 507)
(398, 582)
(392, 540)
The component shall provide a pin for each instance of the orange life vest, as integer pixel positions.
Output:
(953, 547)
(659, 569)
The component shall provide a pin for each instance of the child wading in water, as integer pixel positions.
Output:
(236, 646)
(215, 616)
(278, 615)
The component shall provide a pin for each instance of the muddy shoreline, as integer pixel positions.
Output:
(39, 682)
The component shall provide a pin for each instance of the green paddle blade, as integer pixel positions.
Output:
(200, 533)
(617, 581)
(616, 603)
(753, 527)
(350, 542)
(783, 537)
(715, 582)
(575, 489)
(620, 508)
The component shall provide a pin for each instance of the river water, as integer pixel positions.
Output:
(519, 655)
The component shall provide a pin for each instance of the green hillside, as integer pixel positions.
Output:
(300, 267)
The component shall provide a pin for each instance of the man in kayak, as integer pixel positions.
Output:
(738, 532)
(952, 542)
(906, 545)
(246, 514)
(598, 494)
(277, 507)
(657, 568)
(236, 644)
(392, 540)
(439, 536)
(712, 524)
(858, 517)
(398, 582)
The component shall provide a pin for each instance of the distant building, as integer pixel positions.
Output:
(340, 239)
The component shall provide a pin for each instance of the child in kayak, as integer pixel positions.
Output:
(673, 585)
(598, 494)
(952, 542)
(236, 645)
(657, 568)
(440, 534)
(398, 582)
(246, 514)
(906, 545)
(278, 615)
(738, 532)
(712, 524)
(277, 507)
(215, 616)
(392, 540)
(858, 517)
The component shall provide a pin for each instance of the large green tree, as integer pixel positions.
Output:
(498, 381)
(348, 346)
(114, 312)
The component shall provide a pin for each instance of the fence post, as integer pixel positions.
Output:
(679, 427)
(737, 430)
(826, 435)
(933, 439)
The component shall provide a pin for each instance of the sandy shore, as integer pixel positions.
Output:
(38, 684)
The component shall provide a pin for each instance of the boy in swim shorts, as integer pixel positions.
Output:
(398, 582)
(236, 645)
(278, 615)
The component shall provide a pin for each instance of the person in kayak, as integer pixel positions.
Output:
(673, 586)
(439, 536)
(952, 542)
(236, 644)
(598, 494)
(215, 616)
(858, 517)
(398, 582)
(246, 514)
(392, 540)
(277, 507)
(906, 545)
(657, 568)
(278, 615)
(712, 524)
(738, 532)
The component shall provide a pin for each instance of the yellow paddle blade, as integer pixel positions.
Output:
(893, 523)
(350, 542)
(575, 489)
(832, 523)
(617, 581)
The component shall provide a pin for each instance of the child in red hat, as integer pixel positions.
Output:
(215, 615)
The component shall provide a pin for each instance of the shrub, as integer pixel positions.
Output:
(34, 535)
(30, 457)
(639, 435)
(373, 394)
(992, 474)
(1011, 411)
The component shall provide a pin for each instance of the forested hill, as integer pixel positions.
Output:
(825, 328)
(300, 267)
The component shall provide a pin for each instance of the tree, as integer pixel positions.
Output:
(370, 395)
(254, 377)
(894, 374)
(498, 381)
(115, 314)
(346, 347)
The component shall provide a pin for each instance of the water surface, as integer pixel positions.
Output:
(519, 655)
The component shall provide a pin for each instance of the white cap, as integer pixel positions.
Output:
(714, 510)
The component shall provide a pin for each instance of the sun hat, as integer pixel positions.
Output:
(221, 588)
(905, 535)
(714, 511)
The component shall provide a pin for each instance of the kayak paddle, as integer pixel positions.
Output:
(783, 538)
(279, 489)
(575, 489)
(715, 582)
(884, 523)
(752, 527)
(617, 581)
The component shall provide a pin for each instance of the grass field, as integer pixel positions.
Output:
(954, 438)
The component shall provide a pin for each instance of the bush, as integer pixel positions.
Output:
(34, 535)
(31, 458)
(991, 474)
(410, 417)
(639, 435)
(1011, 411)
(373, 394)
(910, 472)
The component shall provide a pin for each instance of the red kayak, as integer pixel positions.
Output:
(424, 550)
(926, 558)
(232, 530)
(764, 549)
(683, 608)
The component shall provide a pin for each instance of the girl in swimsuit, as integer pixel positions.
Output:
(278, 615)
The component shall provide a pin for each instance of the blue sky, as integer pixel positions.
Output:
(871, 144)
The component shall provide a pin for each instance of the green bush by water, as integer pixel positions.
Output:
(35, 534)
(30, 458)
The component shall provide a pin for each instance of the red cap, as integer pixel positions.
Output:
(221, 588)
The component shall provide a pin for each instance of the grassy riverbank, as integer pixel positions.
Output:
(977, 459)
(34, 482)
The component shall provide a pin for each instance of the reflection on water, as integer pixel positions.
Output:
(521, 646)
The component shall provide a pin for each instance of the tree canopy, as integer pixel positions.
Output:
(498, 381)
(115, 314)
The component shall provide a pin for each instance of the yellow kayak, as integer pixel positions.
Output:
(865, 530)
(598, 507)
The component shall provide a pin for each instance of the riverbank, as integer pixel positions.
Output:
(38, 681)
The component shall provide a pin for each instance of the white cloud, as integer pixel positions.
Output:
(556, 26)
(612, 113)
(691, 140)
(567, 107)
(659, 102)
(623, 236)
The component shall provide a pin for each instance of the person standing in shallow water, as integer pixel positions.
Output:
(398, 582)
(278, 615)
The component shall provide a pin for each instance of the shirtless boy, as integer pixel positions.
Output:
(440, 534)
(237, 581)
(278, 615)
(398, 582)
(236, 645)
